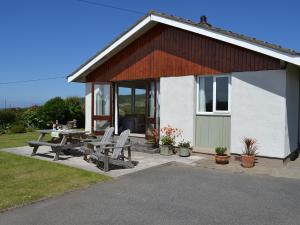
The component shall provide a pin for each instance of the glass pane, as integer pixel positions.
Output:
(151, 107)
(101, 99)
(222, 93)
(101, 125)
(124, 101)
(205, 94)
(139, 103)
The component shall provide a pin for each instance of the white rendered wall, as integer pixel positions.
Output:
(177, 104)
(292, 109)
(88, 107)
(258, 110)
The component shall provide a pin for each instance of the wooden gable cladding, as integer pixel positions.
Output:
(168, 51)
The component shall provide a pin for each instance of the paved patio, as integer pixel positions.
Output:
(144, 160)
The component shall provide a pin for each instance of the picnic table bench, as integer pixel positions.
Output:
(65, 139)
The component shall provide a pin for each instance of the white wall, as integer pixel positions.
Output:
(88, 107)
(258, 110)
(177, 104)
(292, 109)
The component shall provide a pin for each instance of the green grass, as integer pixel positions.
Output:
(24, 180)
(17, 140)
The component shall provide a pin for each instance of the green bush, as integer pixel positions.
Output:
(7, 116)
(17, 128)
(30, 129)
(44, 116)
(75, 110)
(54, 109)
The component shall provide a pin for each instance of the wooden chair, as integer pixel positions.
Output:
(113, 154)
(88, 148)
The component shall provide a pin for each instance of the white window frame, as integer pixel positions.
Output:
(215, 112)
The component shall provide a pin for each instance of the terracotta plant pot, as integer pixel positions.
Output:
(166, 150)
(247, 160)
(222, 159)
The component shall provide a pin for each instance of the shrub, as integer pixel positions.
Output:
(220, 150)
(7, 116)
(30, 129)
(75, 110)
(17, 128)
(54, 109)
(35, 117)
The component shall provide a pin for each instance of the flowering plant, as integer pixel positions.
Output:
(169, 134)
(153, 136)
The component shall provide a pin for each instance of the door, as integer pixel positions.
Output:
(150, 115)
(101, 107)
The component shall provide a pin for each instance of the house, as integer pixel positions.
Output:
(215, 85)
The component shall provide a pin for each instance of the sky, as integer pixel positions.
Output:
(51, 38)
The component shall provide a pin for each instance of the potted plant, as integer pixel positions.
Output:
(184, 148)
(153, 139)
(168, 136)
(248, 156)
(221, 157)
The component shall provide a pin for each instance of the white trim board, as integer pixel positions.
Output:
(160, 19)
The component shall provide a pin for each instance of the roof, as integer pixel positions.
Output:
(206, 29)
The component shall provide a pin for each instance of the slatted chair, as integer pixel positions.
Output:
(88, 148)
(114, 154)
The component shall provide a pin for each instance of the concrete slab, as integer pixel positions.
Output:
(144, 160)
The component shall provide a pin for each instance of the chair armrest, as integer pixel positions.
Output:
(113, 147)
(96, 144)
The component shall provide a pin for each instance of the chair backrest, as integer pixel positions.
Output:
(120, 143)
(107, 134)
(105, 138)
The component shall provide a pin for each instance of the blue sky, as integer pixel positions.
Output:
(50, 38)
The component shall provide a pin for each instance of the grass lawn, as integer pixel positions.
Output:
(23, 179)
(17, 140)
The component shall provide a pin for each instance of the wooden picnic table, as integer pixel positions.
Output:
(65, 139)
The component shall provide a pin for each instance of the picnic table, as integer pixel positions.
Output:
(61, 140)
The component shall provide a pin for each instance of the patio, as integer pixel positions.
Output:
(74, 159)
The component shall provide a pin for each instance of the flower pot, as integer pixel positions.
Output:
(166, 149)
(222, 159)
(184, 152)
(248, 161)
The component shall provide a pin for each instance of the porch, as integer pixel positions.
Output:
(132, 105)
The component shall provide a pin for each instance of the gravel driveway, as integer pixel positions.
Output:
(172, 194)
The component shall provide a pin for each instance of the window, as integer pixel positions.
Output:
(101, 99)
(213, 94)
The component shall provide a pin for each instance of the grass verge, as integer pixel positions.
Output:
(17, 140)
(24, 180)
